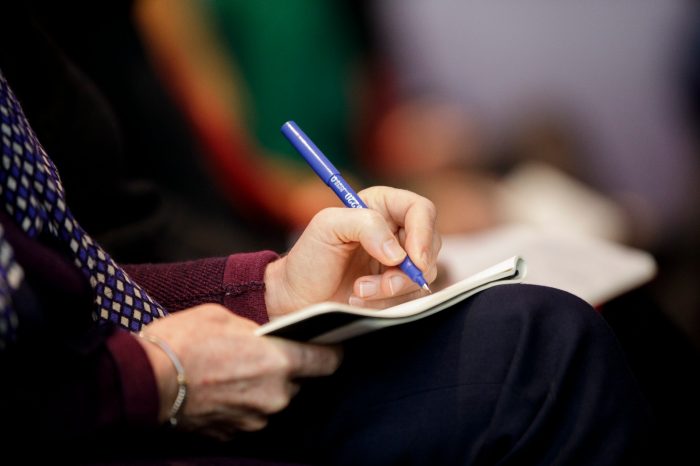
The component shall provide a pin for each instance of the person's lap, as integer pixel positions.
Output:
(514, 375)
(518, 374)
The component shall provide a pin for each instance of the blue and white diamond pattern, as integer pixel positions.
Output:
(31, 192)
(11, 275)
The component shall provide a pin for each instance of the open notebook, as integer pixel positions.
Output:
(331, 322)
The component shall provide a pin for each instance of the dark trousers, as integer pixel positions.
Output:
(516, 375)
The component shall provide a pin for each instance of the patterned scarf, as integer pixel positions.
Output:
(31, 193)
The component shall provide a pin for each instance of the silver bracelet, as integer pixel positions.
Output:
(181, 380)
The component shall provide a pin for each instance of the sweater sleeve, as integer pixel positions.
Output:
(79, 389)
(68, 378)
(235, 281)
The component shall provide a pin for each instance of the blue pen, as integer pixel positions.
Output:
(331, 176)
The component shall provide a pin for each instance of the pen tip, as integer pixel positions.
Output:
(426, 288)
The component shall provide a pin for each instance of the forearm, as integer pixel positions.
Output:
(235, 281)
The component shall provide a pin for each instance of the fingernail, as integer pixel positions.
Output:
(355, 301)
(393, 250)
(395, 284)
(368, 288)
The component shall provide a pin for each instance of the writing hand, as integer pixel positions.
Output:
(351, 255)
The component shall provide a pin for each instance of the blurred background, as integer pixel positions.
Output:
(571, 116)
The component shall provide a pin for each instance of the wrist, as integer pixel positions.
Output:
(276, 294)
(169, 375)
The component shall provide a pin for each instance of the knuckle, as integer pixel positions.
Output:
(276, 362)
(372, 219)
(321, 216)
(429, 206)
(283, 364)
(371, 191)
(325, 216)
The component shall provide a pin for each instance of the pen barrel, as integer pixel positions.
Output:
(413, 272)
(308, 150)
(345, 193)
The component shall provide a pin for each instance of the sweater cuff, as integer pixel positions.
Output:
(140, 398)
(244, 285)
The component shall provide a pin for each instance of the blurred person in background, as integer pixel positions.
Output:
(592, 88)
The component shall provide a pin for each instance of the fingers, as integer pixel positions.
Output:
(393, 211)
(340, 227)
(307, 360)
(225, 424)
(385, 302)
(392, 283)
(415, 214)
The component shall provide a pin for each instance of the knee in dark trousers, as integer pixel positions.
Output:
(517, 374)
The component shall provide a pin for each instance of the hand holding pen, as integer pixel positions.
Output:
(355, 255)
